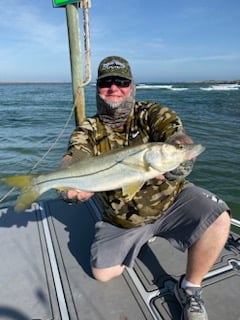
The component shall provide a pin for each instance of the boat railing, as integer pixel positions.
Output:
(235, 222)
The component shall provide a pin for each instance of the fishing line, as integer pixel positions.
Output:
(50, 148)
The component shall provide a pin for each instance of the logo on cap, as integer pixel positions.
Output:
(113, 64)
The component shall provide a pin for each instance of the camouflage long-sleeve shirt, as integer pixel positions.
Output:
(148, 122)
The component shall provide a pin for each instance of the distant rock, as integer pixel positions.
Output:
(220, 81)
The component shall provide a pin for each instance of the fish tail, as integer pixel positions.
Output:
(29, 192)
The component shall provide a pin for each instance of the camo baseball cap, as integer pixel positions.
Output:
(114, 66)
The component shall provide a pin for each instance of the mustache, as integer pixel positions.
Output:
(113, 105)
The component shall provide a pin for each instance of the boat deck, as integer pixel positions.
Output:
(45, 273)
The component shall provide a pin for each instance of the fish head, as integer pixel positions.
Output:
(165, 157)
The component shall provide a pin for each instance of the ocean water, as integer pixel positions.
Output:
(33, 115)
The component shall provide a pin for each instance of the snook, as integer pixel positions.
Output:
(126, 168)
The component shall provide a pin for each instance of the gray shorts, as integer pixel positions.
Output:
(193, 211)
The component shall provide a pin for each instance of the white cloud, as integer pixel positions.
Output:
(223, 57)
(33, 41)
(27, 23)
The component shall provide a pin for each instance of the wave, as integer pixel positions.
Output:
(179, 89)
(221, 87)
(160, 86)
(153, 86)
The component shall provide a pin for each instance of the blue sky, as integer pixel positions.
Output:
(164, 40)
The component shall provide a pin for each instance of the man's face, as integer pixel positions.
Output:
(114, 89)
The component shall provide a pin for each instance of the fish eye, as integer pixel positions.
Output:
(180, 146)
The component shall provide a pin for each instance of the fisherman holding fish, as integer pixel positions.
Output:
(142, 187)
(189, 217)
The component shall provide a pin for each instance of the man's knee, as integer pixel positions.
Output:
(224, 220)
(106, 274)
(221, 225)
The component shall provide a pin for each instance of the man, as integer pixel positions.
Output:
(167, 206)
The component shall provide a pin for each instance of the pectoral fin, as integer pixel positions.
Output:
(132, 188)
(135, 164)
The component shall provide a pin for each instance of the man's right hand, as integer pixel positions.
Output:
(74, 195)
(79, 195)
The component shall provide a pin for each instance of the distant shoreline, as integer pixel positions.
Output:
(219, 81)
(69, 82)
(35, 82)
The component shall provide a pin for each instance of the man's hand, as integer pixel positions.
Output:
(74, 194)
(161, 177)
(179, 138)
(185, 168)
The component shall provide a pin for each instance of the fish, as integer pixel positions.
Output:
(126, 168)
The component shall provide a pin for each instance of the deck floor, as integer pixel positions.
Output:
(45, 273)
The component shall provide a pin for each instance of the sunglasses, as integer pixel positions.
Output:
(108, 82)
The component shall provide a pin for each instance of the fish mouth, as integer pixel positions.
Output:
(194, 151)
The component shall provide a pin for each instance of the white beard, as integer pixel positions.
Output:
(115, 114)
